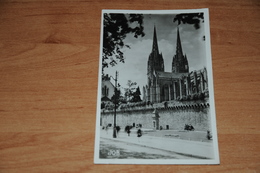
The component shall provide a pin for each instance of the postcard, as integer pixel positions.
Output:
(155, 102)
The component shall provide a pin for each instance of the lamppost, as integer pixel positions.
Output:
(115, 97)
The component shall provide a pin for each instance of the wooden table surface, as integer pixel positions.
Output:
(48, 84)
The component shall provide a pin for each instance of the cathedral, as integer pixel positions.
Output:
(177, 84)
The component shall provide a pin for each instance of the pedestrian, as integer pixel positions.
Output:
(106, 128)
(128, 131)
(117, 130)
(139, 134)
(209, 136)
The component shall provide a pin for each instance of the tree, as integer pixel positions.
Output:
(136, 95)
(116, 97)
(190, 18)
(130, 90)
(116, 27)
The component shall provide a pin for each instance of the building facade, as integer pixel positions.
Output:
(108, 89)
(177, 84)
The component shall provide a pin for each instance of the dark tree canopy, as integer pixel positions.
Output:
(136, 95)
(116, 27)
(116, 97)
(190, 18)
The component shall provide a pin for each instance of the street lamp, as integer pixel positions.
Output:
(115, 95)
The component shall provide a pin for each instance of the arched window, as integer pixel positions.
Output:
(105, 91)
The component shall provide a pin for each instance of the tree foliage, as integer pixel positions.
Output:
(132, 93)
(190, 18)
(116, 97)
(136, 95)
(116, 28)
(130, 90)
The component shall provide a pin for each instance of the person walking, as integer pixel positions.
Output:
(128, 131)
(139, 134)
(106, 128)
(117, 130)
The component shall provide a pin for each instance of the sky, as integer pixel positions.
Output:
(135, 66)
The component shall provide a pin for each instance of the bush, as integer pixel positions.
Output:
(188, 97)
(103, 105)
(132, 105)
(201, 96)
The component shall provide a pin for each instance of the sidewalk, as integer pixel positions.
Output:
(185, 147)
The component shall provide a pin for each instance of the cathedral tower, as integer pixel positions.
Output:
(155, 61)
(179, 61)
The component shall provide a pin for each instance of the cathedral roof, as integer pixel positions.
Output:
(170, 75)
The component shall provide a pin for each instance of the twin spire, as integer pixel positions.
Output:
(179, 61)
(155, 47)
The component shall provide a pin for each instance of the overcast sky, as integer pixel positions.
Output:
(135, 66)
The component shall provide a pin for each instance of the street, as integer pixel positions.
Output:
(152, 146)
(121, 150)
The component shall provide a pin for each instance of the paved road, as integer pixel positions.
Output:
(183, 147)
(111, 149)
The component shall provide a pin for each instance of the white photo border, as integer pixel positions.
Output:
(216, 159)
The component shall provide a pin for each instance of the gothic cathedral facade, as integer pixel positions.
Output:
(177, 84)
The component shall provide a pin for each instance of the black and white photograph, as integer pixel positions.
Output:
(155, 102)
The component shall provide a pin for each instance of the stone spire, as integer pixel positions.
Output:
(155, 44)
(155, 61)
(179, 62)
(178, 45)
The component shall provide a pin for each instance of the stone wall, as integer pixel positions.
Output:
(176, 119)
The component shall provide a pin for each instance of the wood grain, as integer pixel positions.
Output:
(48, 84)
